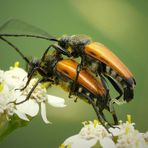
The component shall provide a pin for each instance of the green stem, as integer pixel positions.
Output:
(7, 126)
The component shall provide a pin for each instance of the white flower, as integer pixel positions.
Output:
(7, 108)
(16, 78)
(124, 136)
(77, 141)
(39, 96)
(90, 134)
(128, 136)
(93, 130)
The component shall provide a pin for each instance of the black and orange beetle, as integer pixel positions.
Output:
(53, 68)
(98, 58)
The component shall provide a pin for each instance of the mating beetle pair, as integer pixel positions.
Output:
(77, 80)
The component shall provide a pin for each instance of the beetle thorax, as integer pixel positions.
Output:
(74, 44)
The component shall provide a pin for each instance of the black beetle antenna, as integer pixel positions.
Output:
(12, 45)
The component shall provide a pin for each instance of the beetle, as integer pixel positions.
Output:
(98, 58)
(58, 71)
(102, 62)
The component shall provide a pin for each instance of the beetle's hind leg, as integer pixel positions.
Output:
(98, 113)
(104, 118)
(116, 86)
(112, 111)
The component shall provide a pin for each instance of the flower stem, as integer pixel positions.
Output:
(6, 126)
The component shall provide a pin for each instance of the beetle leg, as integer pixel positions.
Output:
(29, 78)
(76, 99)
(98, 114)
(79, 67)
(116, 86)
(45, 53)
(61, 50)
(112, 111)
(103, 116)
(115, 117)
(105, 84)
(103, 80)
(97, 110)
(58, 48)
(31, 91)
(33, 88)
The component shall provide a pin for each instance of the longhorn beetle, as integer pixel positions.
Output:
(94, 55)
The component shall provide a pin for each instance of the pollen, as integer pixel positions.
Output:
(16, 64)
(95, 123)
(129, 118)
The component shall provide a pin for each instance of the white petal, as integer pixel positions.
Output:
(21, 115)
(29, 107)
(43, 113)
(4, 94)
(77, 142)
(14, 77)
(107, 143)
(56, 101)
(116, 131)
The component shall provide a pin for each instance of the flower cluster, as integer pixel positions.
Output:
(94, 134)
(11, 82)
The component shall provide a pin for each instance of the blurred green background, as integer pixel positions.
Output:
(119, 24)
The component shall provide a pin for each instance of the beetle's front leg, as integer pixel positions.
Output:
(33, 88)
(29, 78)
